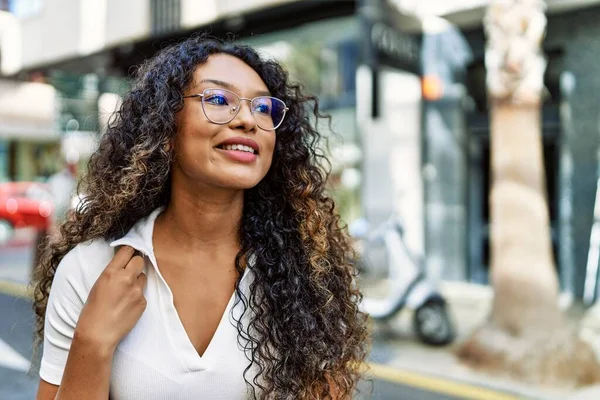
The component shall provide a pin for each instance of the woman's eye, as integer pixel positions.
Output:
(262, 108)
(217, 100)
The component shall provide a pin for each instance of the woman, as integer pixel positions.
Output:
(206, 261)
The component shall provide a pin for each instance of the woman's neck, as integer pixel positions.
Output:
(207, 219)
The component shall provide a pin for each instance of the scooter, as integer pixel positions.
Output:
(410, 286)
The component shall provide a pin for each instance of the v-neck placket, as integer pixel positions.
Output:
(175, 328)
(183, 347)
(180, 337)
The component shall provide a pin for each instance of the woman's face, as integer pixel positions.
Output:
(205, 151)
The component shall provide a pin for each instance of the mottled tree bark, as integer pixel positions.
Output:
(526, 335)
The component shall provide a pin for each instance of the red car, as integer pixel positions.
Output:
(26, 204)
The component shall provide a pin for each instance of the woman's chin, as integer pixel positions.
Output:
(240, 182)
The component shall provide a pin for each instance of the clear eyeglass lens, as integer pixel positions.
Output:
(268, 111)
(220, 106)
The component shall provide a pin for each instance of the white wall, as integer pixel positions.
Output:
(66, 29)
(401, 111)
(128, 20)
(195, 12)
(443, 7)
(392, 152)
(69, 28)
(92, 17)
(51, 35)
(27, 110)
(10, 44)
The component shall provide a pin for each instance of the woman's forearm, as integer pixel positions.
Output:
(87, 373)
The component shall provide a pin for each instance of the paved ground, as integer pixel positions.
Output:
(15, 349)
(16, 257)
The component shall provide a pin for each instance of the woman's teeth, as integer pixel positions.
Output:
(239, 147)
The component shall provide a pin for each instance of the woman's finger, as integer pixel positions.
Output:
(121, 258)
(135, 265)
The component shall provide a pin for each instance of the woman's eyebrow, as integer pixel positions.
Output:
(231, 87)
(217, 82)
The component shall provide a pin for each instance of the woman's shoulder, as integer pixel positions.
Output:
(84, 263)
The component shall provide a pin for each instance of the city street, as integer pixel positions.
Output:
(16, 324)
(469, 191)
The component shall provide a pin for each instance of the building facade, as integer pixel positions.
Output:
(409, 132)
(91, 51)
(410, 125)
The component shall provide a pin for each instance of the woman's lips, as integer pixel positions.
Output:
(239, 155)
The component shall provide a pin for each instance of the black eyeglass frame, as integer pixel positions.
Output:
(201, 95)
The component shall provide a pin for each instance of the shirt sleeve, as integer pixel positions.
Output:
(67, 297)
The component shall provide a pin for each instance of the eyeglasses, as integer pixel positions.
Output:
(220, 106)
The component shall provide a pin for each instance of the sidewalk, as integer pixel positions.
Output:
(469, 305)
(16, 262)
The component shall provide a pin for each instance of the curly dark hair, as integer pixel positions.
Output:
(306, 333)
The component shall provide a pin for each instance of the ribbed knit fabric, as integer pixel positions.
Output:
(156, 360)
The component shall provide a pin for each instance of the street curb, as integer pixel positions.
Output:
(16, 289)
(436, 384)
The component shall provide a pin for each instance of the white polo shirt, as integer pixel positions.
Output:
(156, 359)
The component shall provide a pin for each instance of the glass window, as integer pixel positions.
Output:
(26, 8)
(323, 56)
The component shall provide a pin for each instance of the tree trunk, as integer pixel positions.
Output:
(521, 249)
(526, 334)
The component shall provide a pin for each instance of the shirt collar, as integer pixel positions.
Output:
(140, 235)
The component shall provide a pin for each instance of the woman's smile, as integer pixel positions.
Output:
(239, 149)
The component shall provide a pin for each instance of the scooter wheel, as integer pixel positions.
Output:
(432, 323)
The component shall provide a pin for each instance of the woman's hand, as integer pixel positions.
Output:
(115, 303)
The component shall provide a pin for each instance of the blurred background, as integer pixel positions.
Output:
(405, 84)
